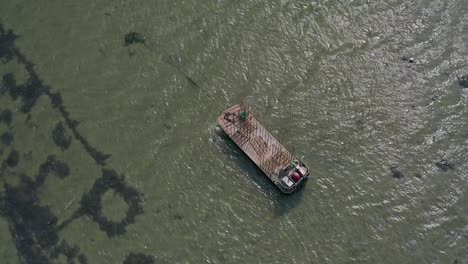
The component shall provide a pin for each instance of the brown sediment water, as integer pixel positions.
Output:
(109, 150)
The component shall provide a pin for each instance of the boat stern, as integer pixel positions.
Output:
(293, 176)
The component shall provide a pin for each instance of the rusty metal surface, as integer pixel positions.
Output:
(255, 140)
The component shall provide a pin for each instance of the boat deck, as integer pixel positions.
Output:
(261, 147)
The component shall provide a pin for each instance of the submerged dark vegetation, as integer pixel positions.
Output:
(33, 227)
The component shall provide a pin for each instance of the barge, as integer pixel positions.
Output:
(282, 168)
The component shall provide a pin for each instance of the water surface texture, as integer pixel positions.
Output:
(109, 149)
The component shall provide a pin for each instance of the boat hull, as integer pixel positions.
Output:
(262, 148)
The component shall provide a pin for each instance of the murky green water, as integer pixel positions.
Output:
(110, 154)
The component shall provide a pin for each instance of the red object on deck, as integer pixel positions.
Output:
(295, 177)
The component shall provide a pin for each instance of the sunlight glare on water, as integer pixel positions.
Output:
(111, 153)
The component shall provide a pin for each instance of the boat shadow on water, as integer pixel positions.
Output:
(284, 203)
